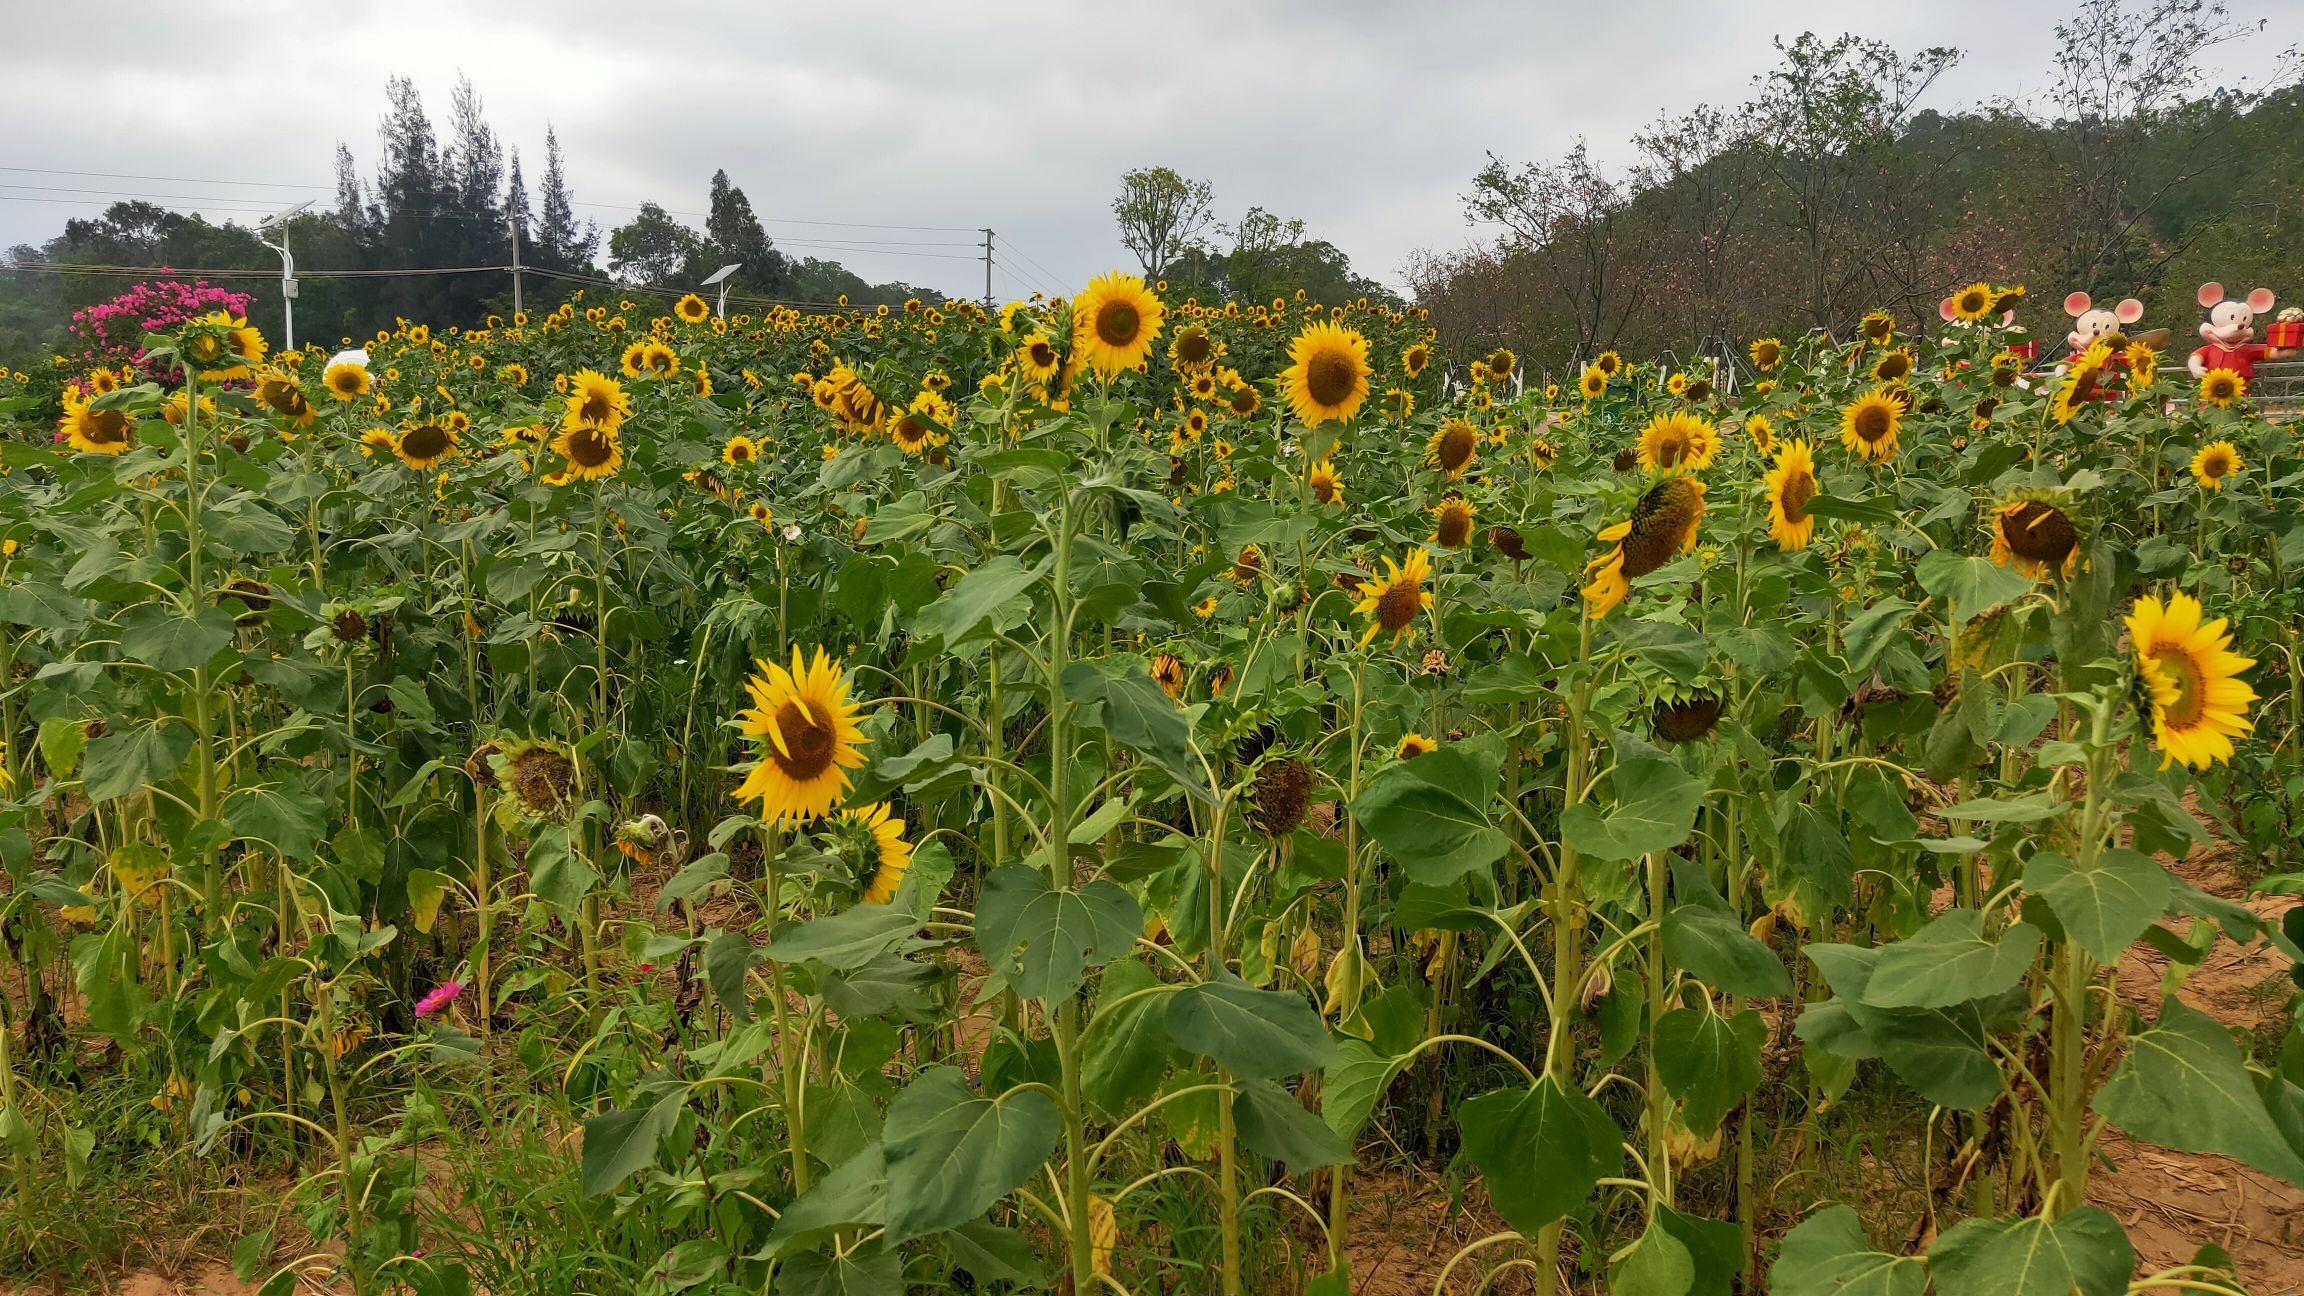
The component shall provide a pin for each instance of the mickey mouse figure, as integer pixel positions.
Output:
(2091, 322)
(2229, 328)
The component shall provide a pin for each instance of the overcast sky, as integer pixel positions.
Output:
(1365, 119)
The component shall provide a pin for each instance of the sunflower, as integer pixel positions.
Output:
(279, 392)
(95, 431)
(1394, 601)
(1248, 566)
(1194, 348)
(2034, 537)
(1195, 425)
(1868, 425)
(2216, 461)
(1245, 402)
(1678, 440)
(1414, 360)
(596, 400)
(1452, 446)
(1413, 745)
(1608, 363)
(1329, 376)
(660, 360)
(1501, 362)
(1114, 323)
(346, 380)
(1663, 523)
(2081, 379)
(739, 450)
(1762, 432)
(634, 361)
(806, 737)
(1766, 353)
(1168, 673)
(592, 452)
(919, 427)
(1592, 382)
(1973, 302)
(1878, 327)
(1452, 528)
(891, 853)
(2191, 674)
(424, 445)
(2221, 387)
(2143, 365)
(1791, 484)
(1542, 452)
(1893, 365)
(1676, 384)
(692, 308)
(378, 441)
(1322, 479)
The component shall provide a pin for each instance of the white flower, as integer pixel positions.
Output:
(792, 531)
(357, 355)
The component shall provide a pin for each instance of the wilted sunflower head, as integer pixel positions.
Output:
(1452, 446)
(2035, 537)
(1248, 565)
(1686, 718)
(1663, 523)
(1168, 673)
(540, 775)
(1280, 795)
(1509, 542)
(1625, 460)
(1452, 522)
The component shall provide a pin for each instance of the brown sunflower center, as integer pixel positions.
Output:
(2216, 464)
(1330, 377)
(1973, 302)
(428, 441)
(2179, 667)
(1686, 720)
(808, 745)
(1767, 355)
(1117, 323)
(1456, 446)
(1455, 525)
(1193, 347)
(590, 448)
(2039, 533)
(107, 427)
(1663, 523)
(1793, 497)
(1398, 604)
(1873, 422)
(1671, 447)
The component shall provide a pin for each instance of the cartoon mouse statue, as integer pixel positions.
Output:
(2228, 327)
(2091, 322)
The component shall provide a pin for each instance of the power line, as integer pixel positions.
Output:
(115, 175)
(1052, 275)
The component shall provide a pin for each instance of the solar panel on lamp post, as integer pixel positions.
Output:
(279, 221)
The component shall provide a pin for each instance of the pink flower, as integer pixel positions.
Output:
(439, 998)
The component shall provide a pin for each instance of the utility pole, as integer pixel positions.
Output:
(987, 269)
(279, 221)
(512, 226)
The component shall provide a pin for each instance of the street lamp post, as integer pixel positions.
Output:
(279, 221)
(719, 278)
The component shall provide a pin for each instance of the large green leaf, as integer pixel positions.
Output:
(1542, 1150)
(288, 818)
(2184, 1085)
(856, 1192)
(2104, 907)
(2082, 1252)
(1430, 813)
(842, 941)
(1654, 810)
(1973, 585)
(975, 598)
(1708, 1062)
(619, 1142)
(1828, 1256)
(1710, 944)
(1046, 938)
(1119, 695)
(1940, 1052)
(1126, 1047)
(1658, 1264)
(156, 636)
(1952, 961)
(952, 1153)
(127, 760)
(1352, 1086)
(1251, 1033)
(860, 1272)
(1273, 1124)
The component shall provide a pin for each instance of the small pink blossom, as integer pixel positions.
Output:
(439, 998)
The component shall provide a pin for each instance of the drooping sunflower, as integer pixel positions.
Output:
(1452, 447)
(1678, 440)
(1452, 522)
(1168, 673)
(1114, 323)
(2221, 387)
(1322, 479)
(346, 380)
(1663, 523)
(1868, 425)
(596, 400)
(1766, 353)
(1791, 484)
(892, 855)
(94, 431)
(592, 452)
(1973, 302)
(1394, 601)
(1592, 382)
(692, 308)
(280, 393)
(424, 445)
(2034, 537)
(806, 737)
(2216, 461)
(1894, 365)
(1328, 376)
(1415, 358)
(2082, 377)
(2192, 676)
(739, 451)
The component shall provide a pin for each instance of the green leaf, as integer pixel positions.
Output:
(1709, 944)
(2083, 1252)
(1716, 1248)
(1873, 629)
(43, 608)
(1542, 1150)
(1429, 813)
(1352, 1086)
(1252, 1033)
(1044, 938)
(855, 1193)
(2106, 907)
(619, 1142)
(2023, 809)
(1273, 1124)
(128, 760)
(856, 1273)
(727, 957)
(2184, 1085)
(1828, 1256)
(952, 1154)
(1709, 1063)
(845, 940)
(1952, 961)
(426, 887)
(61, 742)
(885, 983)
(1121, 697)
(289, 819)
(1655, 810)
(156, 636)
(991, 1254)
(1657, 1265)
(1126, 1046)
(1940, 1052)
(975, 598)
(1972, 585)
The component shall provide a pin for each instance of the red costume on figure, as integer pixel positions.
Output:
(2240, 359)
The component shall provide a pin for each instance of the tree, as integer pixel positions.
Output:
(733, 234)
(562, 244)
(1161, 214)
(653, 250)
(1573, 223)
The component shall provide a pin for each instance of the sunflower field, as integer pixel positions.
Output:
(1122, 794)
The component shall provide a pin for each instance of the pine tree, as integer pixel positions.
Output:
(475, 218)
(351, 208)
(733, 233)
(516, 210)
(411, 196)
(561, 244)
